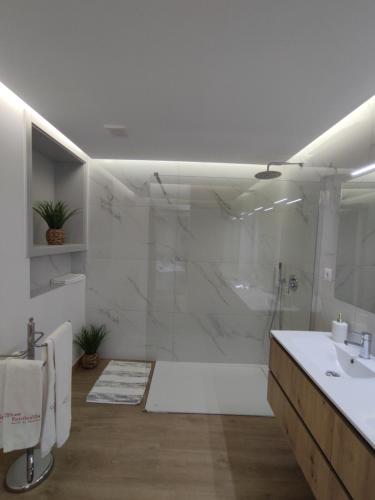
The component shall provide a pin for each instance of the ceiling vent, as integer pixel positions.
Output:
(116, 130)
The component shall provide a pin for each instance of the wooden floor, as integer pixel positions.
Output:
(118, 452)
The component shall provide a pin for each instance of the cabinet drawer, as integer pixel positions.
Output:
(353, 461)
(315, 467)
(314, 409)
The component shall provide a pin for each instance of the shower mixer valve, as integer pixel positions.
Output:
(292, 283)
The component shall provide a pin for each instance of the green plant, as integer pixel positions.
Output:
(55, 214)
(90, 338)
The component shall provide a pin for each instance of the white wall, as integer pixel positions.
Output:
(56, 306)
(14, 268)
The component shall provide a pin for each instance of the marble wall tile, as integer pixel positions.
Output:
(161, 285)
(219, 338)
(178, 272)
(207, 236)
(215, 287)
(108, 190)
(118, 232)
(160, 336)
(162, 235)
(43, 269)
(137, 183)
(127, 330)
(121, 283)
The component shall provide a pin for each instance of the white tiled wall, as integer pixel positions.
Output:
(175, 275)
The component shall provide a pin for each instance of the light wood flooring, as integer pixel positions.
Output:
(119, 452)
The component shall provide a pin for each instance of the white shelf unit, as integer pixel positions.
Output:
(54, 172)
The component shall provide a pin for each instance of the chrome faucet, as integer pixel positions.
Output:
(364, 343)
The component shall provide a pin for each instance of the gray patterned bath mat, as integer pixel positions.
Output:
(122, 382)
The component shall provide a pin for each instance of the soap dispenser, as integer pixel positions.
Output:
(339, 330)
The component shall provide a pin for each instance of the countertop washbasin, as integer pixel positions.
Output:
(347, 380)
(350, 364)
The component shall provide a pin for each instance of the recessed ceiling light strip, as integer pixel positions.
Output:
(294, 201)
(363, 170)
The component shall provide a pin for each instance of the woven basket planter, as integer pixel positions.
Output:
(55, 236)
(90, 360)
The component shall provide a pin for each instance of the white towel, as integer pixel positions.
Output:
(48, 435)
(62, 339)
(22, 404)
(2, 387)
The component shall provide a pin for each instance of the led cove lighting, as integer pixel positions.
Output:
(38, 119)
(362, 170)
(258, 208)
(280, 201)
(268, 209)
(294, 201)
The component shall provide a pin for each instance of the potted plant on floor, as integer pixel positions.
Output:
(89, 340)
(55, 215)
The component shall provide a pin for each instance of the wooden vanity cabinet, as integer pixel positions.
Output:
(336, 461)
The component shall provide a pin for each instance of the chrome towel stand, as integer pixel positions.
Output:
(30, 469)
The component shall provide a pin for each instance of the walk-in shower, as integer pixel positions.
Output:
(185, 259)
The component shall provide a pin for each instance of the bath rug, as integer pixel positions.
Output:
(209, 388)
(122, 382)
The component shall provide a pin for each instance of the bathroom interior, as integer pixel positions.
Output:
(214, 167)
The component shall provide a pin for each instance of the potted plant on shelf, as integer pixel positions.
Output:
(89, 340)
(55, 215)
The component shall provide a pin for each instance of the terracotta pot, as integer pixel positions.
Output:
(55, 236)
(90, 360)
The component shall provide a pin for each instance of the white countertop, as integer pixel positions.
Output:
(354, 396)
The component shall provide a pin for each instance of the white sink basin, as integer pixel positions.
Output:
(351, 365)
(345, 378)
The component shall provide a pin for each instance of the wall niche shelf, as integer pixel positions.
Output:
(54, 172)
(40, 250)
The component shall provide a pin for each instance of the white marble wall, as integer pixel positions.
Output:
(178, 270)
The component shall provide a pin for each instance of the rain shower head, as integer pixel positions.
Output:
(268, 174)
(272, 174)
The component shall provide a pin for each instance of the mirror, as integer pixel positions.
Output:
(355, 264)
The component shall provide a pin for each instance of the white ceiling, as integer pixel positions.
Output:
(210, 80)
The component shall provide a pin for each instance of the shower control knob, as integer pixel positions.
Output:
(292, 283)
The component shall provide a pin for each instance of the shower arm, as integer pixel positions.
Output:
(280, 163)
